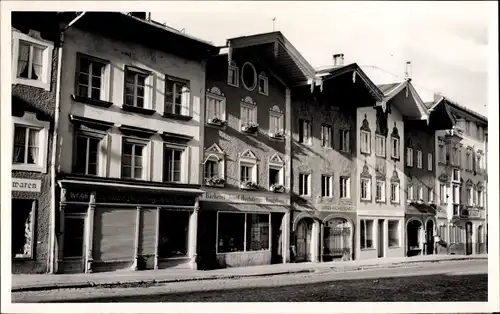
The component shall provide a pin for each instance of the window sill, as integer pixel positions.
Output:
(30, 168)
(368, 249)
(365, 153)
(381, 156)
(221, 124)
(395, 247)
(244, 252)
(345, 151)
(90, 101)
(395, 158)
(247, 188)
(214, 185)
(22, 258)
(32, 83)
(345, 198)
(250, 132)
(276, 138)
(177, 257)
(366, 200)
(144, 111)
(380, 201)
(175, 116)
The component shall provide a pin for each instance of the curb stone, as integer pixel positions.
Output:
(150, 282)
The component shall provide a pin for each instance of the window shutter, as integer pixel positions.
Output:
(169, 96)
(255, 173)
(185, 101)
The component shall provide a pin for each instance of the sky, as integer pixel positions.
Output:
(446, 42)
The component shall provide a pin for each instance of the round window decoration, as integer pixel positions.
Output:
(249, 76)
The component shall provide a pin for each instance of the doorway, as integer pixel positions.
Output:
(304, 231)
(74, 244)
(468, 238)
(413, 238)
(337, 242)
(276, 238)
(429, 237)
(381, 232)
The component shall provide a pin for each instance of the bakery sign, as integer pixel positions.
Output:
(26, 185)
(244, 198)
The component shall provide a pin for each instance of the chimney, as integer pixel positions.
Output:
(408, 70)
(338, 59)
(437, 96)
(140, 15)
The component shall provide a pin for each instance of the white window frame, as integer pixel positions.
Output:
(215, 154)
(45, 81)
(380, 183)
(367, 182)
(365, 142)
(470, 196)
(328, 178)
(306, 180)
(419, 159)
(148, 84)
(409, 156)
(395, 152)
(380, 150)
(145, 156)
(443, 193)
(365, 247)
(429, 162)
(456, 194)
(420, 193)
(182, 149)
(276, 163)
(185, 95)
(395, 186)
(253, 109)
(30, 120)
(326, 129)
(345, 182)
(263, 77)
(236, 69)
(409, 193)
(430, 195)
(344, 141)
(248, 159)
(101, 156)
(456, 178)
(222, 100)
(302, 125)
(276, 113)
(105, 76)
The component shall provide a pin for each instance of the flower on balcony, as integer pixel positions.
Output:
(248, 185)
(215, 181)
(277, 188)
(250, 127)
(217, 121)
(278, 135)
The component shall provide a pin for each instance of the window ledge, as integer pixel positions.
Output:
(276, 138)
(218, 124)
(395, 247)
(368, 249)
(395, 158)
(90, 101)
(177, 116)
(145, 111)
(381, 202)
(33, 83)
(365, 153)
(366, 200)
(381, 156)
(23, 258)
(26, 167)
(213, 185)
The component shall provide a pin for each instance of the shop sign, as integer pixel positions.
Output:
(336, 208)
(26, 185)
(470, 213)
(244, 198)
(125, 197)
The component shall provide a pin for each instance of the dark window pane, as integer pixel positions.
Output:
(174, 230)
(96, 93)
(257, 232)
(130, 77)
(84, 65)
(22, 232)
(231, 232)
(97, 69)
(96, 82)
(140, 102)
(126, 172)
(127, 148)
(73, 237)
(83, 91)
(138, 150)
(83, 79)
(81, 154)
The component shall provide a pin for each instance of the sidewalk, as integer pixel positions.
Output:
(31, 282)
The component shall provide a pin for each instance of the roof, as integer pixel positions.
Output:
(384, 88)
(420, 208)
(453, 106)
(391, 92)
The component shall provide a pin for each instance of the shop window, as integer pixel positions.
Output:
(393, 229)
(133, 159)
(326, 136)
(231, 232)
(366, 233)
(326, 186)
(92, 79)
(257, 232)
(177, 96)
(23, 223)
(344, 140)
(29, 152)
(345, 187)
(305, 132)
(174, 232)
(380, 145)
(172, 164)
(380, 191)
(304, 184)
(263, 84)
(87, 154)
(442, 233)
(233, 75)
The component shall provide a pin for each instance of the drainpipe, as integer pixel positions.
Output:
(53, 159)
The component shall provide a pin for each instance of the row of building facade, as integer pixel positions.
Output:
(138, 146)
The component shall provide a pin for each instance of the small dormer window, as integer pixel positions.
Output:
(263, 84)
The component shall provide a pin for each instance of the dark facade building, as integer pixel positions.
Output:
(34, 62)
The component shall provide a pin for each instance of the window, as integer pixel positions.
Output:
(246, 173)
(395, 148)
(366, 232)
(480, 133)
(409, 193)
(248, 114)
(248, 76)
(176, 96)
(74, 235)
(455, 175)
(274, 176)
(409, 157)
(211, 169)
(344, 140)
(419, 159)
(479, 165)
(380, 191)
(394, 192)
(132, 159)
(172, 163)
(263, 84)
(248, 170)
(479, 198)
(470, 197)
(326, 136)
(233, 76)
(90, 77)
(87, 154)
(276, 173)
(32, 60)
(456, 194)
(442, 152)
(365, 189)
(304, 131)
(345, 187)
(393, 230)
(430, 195)
(326, 186)
(23, 223)
(442, 193)
(456, 156)
(214, 163)
(380, 145)
(304, 184)
(442, 233)
(173, 234)
(135, 85)
(29, 150)
(429, 161)
(216, 109)
(234, 228)
(365, 142)
(420, 193)
(275, 122)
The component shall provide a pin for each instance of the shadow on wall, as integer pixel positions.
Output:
(19, 106)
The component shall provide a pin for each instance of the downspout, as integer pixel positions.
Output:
(53, 159)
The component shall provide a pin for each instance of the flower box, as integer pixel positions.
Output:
(215, 182)
(277, 135)
(216, 121)
(249, 185)
(277, 188)
(250, 128)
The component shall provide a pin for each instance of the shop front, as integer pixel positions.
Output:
(323, 233)
(238, 229)
(107, 224)
(422, 235)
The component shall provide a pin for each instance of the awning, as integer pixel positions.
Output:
(244, 208)
(420, 208)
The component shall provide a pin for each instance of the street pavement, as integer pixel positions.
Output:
(464, 280)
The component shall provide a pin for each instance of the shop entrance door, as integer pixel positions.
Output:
(304, 229)
(381, 244)
(74, 244)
